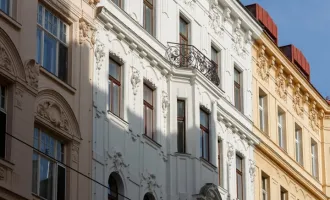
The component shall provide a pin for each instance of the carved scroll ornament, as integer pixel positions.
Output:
(53, 113)
(281, 87)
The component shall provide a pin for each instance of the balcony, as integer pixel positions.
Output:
(189, 57)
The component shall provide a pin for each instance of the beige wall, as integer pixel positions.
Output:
(37, 97)
(295, 96)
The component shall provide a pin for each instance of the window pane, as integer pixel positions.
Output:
(148, 19)
(115, 99)
(201, 143)
(237, 76)
(114, 70)
(181, 109)
(239, 163)
(183, 27)
(36, 138)
(60, 152)
(62, 32)
(204, 119)
(181, 136)
(237, 94)
(148, 122)
(214, 55)
(49, 53)
(63, 62)
(239, 187)
(4, 6)
(147, 94)
(39, 16)
(46, 178)
(117, 2)
(35, 173)
(39, 45)
(60, 183)
(2, 97)
(2, 134)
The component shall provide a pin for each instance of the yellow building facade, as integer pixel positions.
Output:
(292, 121)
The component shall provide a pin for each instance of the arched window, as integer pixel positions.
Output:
(148, 196)
(113, 188)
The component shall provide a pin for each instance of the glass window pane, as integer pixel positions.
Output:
(60, 183)
(39, 16)
(4, 6)
(110, 95)
(115, 99)
(214, 55)
(54, 26)
(183, 27)
(35, 173)
(147, 94)
(63, 62)
(62, 32)
(149, 122)
(36, 138)
(181, 109)
(114, 70)
(238, 163)
(181, 136)
(237, 94)
(201, 143)
(237, 76)
(46, 178)
(204, 119)
(49, 53)
(239, 187)
(206, 146)
(148, 19)
(39, 34)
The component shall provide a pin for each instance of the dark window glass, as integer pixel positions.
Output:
(114, 87)
(148, 111)
(113, 188)
(60, 183)
(2, 134)
(181, 120)
(118, 3)
(204, 134)
(237, 90)
(63, 63)
(4, 6)
(239, 177)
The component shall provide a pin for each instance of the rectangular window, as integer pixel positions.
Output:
(262, 111)
(114, 86)
(281, 129)
(52, 43)
(299, 144)
(215, 57)
(264, 186)
(314, 155)
(284, 194)
(181, 120)
(4, 6)
(239, 177)
(204, 137)
(3, 121)
(48, 174)
(184, 40)
(148, 99)
(148, 13)
(220, 162)
(237, 89)
(118, 3)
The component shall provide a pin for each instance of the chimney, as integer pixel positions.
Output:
(264, 18)
(297, 58)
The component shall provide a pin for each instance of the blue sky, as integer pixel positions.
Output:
(306, 24)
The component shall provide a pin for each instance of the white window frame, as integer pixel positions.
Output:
(55, 167)
(314, 158)
(57, 37)
(264, 190)
(298, 145)
(281, 130)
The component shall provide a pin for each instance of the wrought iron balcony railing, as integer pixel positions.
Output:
(188, 56)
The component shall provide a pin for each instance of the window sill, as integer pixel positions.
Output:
(37, 197)
(182, 154)
(152, 141)
(208, 163)
(117, 118)
(64, 85)
(10, 20)
(6, 163)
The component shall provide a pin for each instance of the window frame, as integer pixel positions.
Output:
(4, 111)
(114, 81)
(237, 85)
(183, 120)
(9, 7)
(205, 130)
(265, 187)
(262, 108)
(110, 195)
(281, 123)
(120, 2)
(241, 173)
(57, 38)
(298, 145)
(220, 161)
(54, 160)
(182, 36)
(151, 107)
(283, 192)
(146, 3)
(314, 159)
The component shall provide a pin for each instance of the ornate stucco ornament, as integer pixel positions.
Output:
(209, 192)
(117, 160)
(2, 173)
(94, 2)
(99, 54)
(165, 103)
(4, 59)
(54, 114)
(32, 73)
(263, 69)
(314, 120)
(252, 169)
(75, 153)
(215, 20)
(281, 88)
(190, 3)
(150, 180)
(86, 32)
(297, 103)
(135, 79)
(238, 39)
(230, 153)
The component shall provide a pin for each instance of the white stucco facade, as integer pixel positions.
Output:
(119, 145)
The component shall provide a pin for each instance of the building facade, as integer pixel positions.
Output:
(172, 100)
(46, 50)
(291, 120)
